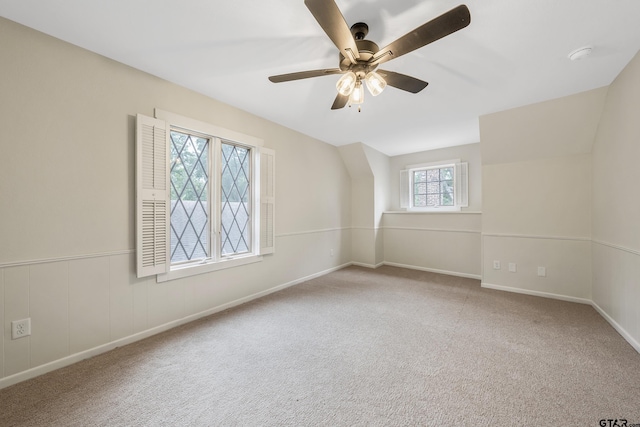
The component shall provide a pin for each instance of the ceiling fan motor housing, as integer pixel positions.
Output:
(366, 49)
(358, 57)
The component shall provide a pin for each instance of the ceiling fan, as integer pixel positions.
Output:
(359, 58)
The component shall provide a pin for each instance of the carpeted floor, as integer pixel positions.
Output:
(384, 347)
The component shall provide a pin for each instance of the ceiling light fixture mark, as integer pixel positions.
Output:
(580, 53)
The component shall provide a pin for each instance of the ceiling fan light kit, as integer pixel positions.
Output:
(375, 83)
(357, 96)
(359, 58)
(347, 83)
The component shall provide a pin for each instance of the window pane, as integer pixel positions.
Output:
(446, 199)
(436, 187)
(446, 173)
(420, 176)
(235, 200)
(446, 186)
(433, 175)
(189, 206)
(420, 188)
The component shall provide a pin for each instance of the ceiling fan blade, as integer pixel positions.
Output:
(402, 81)
(445, 24)
(304, 75)
(332, 22)
(340, 102)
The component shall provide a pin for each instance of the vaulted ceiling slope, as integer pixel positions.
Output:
(513, 53)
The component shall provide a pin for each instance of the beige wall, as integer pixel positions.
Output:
(536, 206)
(67, 184)
(546, 197)
(616, 206)
(380, 167)
(558, 127)
(441, 242)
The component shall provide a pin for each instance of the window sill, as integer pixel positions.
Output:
(192, 270)
(431, 212)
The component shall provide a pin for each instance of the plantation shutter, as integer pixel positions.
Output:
(152, 197)
(267, 200)
(462, 185)
(404, 189)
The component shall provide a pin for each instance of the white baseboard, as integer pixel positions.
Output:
(362, 264)
(536, 293)
(434, 270)
(86, 354)
(77, 357)
(626, 335)
(635, 344)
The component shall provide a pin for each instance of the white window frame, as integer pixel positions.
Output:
(460, 183)
(262, 197)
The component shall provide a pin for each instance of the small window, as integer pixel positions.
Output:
(441, 186)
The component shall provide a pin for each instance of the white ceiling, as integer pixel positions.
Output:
(513, 53)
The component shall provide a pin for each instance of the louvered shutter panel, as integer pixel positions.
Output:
(152, 197)
(267, 200)
(405, 194)
(462, 185)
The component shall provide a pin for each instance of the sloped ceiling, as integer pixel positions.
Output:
(512, 54)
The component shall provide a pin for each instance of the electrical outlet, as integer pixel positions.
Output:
(20, 328)
(331, 252)
(542, 271)
(513, 267)
(496, 265)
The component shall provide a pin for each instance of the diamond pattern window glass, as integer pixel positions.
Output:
(190, 235)
(433, 187)
(235, 223)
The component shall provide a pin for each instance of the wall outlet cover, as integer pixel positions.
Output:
(513, 267)
(20, 328)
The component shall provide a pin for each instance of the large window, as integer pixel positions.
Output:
(441, 186)
(219, 202)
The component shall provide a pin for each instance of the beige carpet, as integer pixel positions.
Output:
(388, 347)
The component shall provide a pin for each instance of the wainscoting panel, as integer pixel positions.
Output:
(567, 262)
(616, 288)
(83, 306)
(449, 243)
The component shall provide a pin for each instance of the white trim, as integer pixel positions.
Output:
(540, 237)
(133, 251)
(620, 248)
(445, 230)
(536, 293)
(192, 269)
(188, 123)
(433, 165)
(431, 212)
(301, 233)
(65, 258)
(635, 344)
(435, 270)
(365, 265)
(626, 335)
(77, 357)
